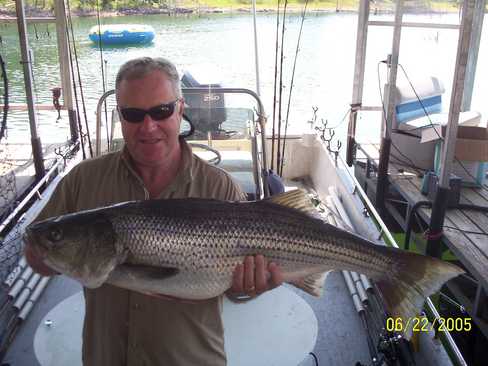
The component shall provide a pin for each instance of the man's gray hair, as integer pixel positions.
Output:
(140, 67)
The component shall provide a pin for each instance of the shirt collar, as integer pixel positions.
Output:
(185, 174)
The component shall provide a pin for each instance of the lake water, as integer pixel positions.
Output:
(219, 48)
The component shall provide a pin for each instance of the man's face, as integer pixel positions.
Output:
(150, 142)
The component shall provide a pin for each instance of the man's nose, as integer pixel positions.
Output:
(148, 124)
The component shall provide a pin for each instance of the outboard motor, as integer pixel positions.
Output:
(205, 110)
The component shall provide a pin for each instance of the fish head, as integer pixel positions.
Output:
(82, 246)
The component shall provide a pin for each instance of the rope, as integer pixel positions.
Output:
(433, 236)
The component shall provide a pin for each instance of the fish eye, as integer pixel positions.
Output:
(56, 234)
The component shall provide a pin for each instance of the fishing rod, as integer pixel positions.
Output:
(104, 79)
(280, 169)
(278, 155)
(80, 127)
(275, 80)
(79, 79)
(3, 127)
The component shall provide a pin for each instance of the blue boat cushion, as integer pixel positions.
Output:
(412, 104)
(412, 110)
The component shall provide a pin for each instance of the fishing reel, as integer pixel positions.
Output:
(395, 349)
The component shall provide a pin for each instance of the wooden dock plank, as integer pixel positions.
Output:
(482, 193)
(468, 196)
(471, 249)
(464, 230)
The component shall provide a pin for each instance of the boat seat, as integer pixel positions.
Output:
(239, 165)
(412, 106)
(414, 112)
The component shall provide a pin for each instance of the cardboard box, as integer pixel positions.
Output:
(471, 151)
(471, 142)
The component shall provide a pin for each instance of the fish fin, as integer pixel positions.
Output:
(312, 284)
(416, 278)
(296, 199)
(152, 272)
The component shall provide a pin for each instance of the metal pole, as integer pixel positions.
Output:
(357, 88)
(28, 80)
(98, 126)
(439, 206)
(64, 65)
(390, 90)
(479, 13)
(256, 58)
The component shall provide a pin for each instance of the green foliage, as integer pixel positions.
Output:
(87, 5)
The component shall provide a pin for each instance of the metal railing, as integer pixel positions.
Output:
(261, 171)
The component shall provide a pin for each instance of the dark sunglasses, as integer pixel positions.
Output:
(158, 113)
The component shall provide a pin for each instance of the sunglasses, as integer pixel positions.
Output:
(158, 113)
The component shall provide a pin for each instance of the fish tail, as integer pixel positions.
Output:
(414, 279)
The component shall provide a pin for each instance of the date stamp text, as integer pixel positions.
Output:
(422, 324)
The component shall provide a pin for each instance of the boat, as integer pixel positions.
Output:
(41, 317)
(306, 327)
(122, 34)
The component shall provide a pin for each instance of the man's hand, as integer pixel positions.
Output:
(34, 258)
(255, 276)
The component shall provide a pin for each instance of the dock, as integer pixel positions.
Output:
(465, 232)
(17, 171)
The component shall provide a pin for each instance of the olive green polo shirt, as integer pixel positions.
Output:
(123, 327)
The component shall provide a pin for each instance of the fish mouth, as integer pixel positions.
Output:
(28, 238)
(31, 239)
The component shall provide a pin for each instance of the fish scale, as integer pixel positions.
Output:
(212, 230)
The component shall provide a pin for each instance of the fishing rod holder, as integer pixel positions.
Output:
(331, 134)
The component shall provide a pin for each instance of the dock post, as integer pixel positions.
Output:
(389, 111)
(64, 65)
(478, 16)
(434, 244)
(26, 60)
(358, 83)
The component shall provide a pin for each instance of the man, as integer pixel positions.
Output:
(122, 327)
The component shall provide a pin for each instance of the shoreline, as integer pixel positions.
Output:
(189, 10)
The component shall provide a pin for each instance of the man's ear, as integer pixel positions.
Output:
(182, 107)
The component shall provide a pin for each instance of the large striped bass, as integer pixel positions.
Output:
(189, 248)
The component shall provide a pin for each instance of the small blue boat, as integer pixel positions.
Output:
(122, 34)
